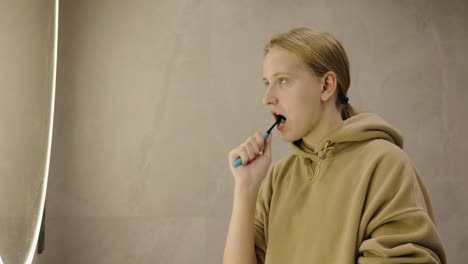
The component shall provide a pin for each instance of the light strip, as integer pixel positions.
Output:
(32, 249)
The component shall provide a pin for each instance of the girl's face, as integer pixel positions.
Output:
(293, 91)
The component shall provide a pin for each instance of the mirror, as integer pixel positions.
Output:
(27, 88)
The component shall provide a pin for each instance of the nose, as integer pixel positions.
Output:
(269, 99)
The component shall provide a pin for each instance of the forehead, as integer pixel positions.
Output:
(281, 60)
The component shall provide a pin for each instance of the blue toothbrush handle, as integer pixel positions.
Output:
(239, 160)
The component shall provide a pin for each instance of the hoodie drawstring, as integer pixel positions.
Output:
(322, 155)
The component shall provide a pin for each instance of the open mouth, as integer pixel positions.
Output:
(279, 117)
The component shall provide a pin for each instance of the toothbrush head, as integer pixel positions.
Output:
(281, 119)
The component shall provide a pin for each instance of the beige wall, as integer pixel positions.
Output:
(152, 95)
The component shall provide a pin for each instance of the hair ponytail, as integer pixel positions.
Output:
(348, 111)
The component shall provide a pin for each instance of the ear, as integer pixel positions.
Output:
(328, 85)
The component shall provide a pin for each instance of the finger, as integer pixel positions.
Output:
(234, 155)
(250, 152)
(244, 154)
(260, 140)
(254, 144)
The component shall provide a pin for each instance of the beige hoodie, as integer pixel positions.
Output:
(357, 199)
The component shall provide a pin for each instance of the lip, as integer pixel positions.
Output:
(273, 113)
(280, 126)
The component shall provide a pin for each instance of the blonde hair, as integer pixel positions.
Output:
(322, 53)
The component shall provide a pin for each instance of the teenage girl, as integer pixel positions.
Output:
(347, 193)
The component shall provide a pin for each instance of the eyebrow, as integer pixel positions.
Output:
(278, 73)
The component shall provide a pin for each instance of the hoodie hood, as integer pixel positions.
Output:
(361, 127)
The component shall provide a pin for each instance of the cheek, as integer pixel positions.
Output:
(304, 104)
(305, 111)
(307, 101)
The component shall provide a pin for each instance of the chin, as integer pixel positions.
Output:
(286, 138)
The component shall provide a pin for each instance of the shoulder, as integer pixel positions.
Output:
(286, 161)
(383, 151)
(392, 167)
(284, 166)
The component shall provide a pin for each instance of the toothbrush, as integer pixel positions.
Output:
(281, 119)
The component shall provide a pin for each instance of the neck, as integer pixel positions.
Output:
(329, 120)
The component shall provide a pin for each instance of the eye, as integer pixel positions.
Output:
(282, 79)
(266, 84)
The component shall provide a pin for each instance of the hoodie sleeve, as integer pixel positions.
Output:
(397, 218)
(261, 216)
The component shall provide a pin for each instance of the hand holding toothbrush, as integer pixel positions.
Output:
(251, 160)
